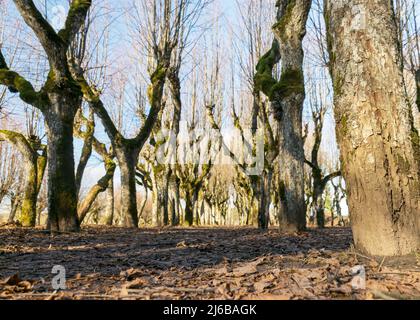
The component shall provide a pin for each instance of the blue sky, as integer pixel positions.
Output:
(121, 49)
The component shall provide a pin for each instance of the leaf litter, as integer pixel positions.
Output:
(201, 263)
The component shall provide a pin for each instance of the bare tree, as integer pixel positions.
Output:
(58, 99)
(162, 38)
(287, 96)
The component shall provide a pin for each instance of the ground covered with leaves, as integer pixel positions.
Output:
(200, 263)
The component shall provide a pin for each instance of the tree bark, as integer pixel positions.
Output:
(14, 206)
(189, 209)
(28, 215)
(58, 100)
(318, 202)
(62, 198)
(174, 196)
(379, 144)
(109, 205)
(127, 160)
(34, 168)
(287, 97)
(265, 201)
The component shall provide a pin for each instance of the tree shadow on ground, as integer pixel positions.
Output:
(109, 251)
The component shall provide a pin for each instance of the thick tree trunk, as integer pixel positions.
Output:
(34, 168)
(196, 212)
(158, 200)
(28, 215)
(14, 206)
(189, 208)
(174, 197)
(318, 203)
(287, 101)
(127, 160)
(174, 192)
(62, 198)
(109, 203)
(265, 194)
(379, 144)
(165, 197)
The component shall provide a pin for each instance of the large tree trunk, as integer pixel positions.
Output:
(34, 168)
(189, 208)
(160, 197)
(62, 198)
(379, 144)
(174, 196)
(109, 205)
(28, 215)
(287, 98)
(318, 203)
(265, 200)
(127, 160)
(15, 202)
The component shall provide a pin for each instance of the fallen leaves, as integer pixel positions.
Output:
(236, 263)
(248, 268)
(14, 284)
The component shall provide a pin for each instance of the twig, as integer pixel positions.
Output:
(382, 295)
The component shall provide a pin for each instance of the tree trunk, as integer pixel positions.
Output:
(174, 200)
(109, 203)
(62, 198)
(189, 208)
(287, 96)
(165, 197)
(160, 199)
(195, 206)
(14, 205)
(28, 215)
(127, 160)
(318, 203)
(264, 205)
(379, 144)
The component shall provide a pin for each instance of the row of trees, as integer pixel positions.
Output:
(174, 79)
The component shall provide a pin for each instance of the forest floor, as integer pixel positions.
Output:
(199, 263)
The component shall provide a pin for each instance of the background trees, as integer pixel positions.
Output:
(170, 95)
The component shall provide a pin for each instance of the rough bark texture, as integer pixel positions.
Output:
(109, 205)
(62, 198)
(287, 96)
(127, 161)
(264, 210)
(15, 203)
(34, 168)
(379, 144)
(58, 99)
(160, 196)
(173, 180)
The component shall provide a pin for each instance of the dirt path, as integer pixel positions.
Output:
(242, 263)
